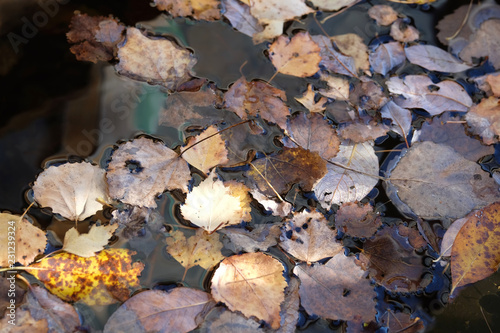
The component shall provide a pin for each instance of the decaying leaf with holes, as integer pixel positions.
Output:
(309, 102)
(179, 310)
(199, 9)
(154, 60)
(205, 150)
(86, 245)
(141, 169)
(202, 249)
(338, 290)
(357, 220)
(29, 241)
(276, 173)
(253, 284)
(352, 174)
(107, 278)
(214, 204)
(307, 237)
(257, 97)
(484, 120)
(298, 56)
(71, 189)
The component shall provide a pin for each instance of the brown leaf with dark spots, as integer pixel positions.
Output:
(287, 167)
(357, 220)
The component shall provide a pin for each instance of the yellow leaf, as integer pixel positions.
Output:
(104, 279)
(86, 245)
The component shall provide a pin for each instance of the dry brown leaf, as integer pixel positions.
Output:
(179, 310)
(260, 238)
(198, 9)
(27, 240)
(201, 249)
(357, 220)
(25, 323)
(338, 87)
(307, 237)
(386, 57)
(313, 132)
(334, 60)
(368, 95)
(206, 154)
(308, 100)
(298, 56)
(253, 284)
(494, 81)
(359, 132)
(214, 204)
(141, 169)
(86, 245)
(221, 320)
(338, 290)
(484, 119)
(434, 59)
(403, 32)
(71, 189)
(353, 46)
(383, 14)
(156, 61)
(333, 6)
(240, 17)
(290, 307)
(484, 43)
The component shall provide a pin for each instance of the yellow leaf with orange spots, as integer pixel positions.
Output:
(104, 279)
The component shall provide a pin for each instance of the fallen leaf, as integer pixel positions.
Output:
(179, 310)
(201, 249)
(357, 220)
(71, 189)
(475, 254)
(392, 261)
(253, 284)
(400, 117)
(308, 100)
(334, 60)
(437, 182)
(434, 59)
(415, 239)
(198, 9)
(359, 132)
(494, 82)
(95, 38)
(338, 290)
(448, 130)
(418, 91)
(403, 32)
(298, 56)
(353, 46)
(451, 234)
(260, 238)
(290, 307)
(25, 323)
(154, 60)
(383, 14)
(133, 218)
(338, 87)
(240, 17)
(27, 240)
(5, 284)
(257, 97)
(214, 204)
(314, 133)
(328, 5)
(287, 167)
(221, 320)
(60, 316)
(141, 169)
(401, 322)
(368, 95)
(281, 208)
(386, 57)
(86, 245)
(484, 120)
(308, 238)
(484, 43)
(450, 24)
(352, 174)
(205, 154)
(104, 279)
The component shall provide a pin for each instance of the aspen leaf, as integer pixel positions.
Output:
(298, 56)
(24, 323)
(221, 320)
(484, 119)
(332, 59)
(359, 132)
(199, 9)
(213, 204)
(260, 238)
(353, 46)
(329, 5)
(141, 169)
(400, 117)
(357, 220)
(383, 14)
(240, 17)
(403, 32)
(104, 279)
(386, 57)
(484, 43)
(338, 87)
(71, 189)
(434, 59)
(308, 100)
(253, 284)
(86, 245)
(290, 307)
(451, 234)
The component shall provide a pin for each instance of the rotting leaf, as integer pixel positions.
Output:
(214, 204)
(253, 284)
(338, 87)
(309, 102)
(308, 238)
(334, 60)
(359, 132)
(338, 290)
(298, 56)
(357, 220)
(24, 323)
(221, 320)
(484, 43)
(260, 238)
(71, 189)
(86, 245)
(290, 307)
(403, 32)
(368, 95)
(280, 208)
(383, 14)
(353, 46)
(198, 9)
(287, 167)
(401, 322)
(484, 120)
(104, 279)
(154, 60)
(333, 6)
(400, 117)
(179, 310)
(386, 57)
(141, 169)
(240, 17)
(434, 59)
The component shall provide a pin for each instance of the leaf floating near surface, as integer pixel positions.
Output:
(383, 14)
(86, 245)
(328, 5)
(484, 43)
(386, 57)
(334, 60)
(484, 120)
(434, 59)
(357, 220)
(199, 9)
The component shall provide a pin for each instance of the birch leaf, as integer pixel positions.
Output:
(333, 6)
(383, 14)
(353, 46)
(484, 43)
(308, 100)
(199, 9)
(403, 32)
(484, 120)
(400, 117)
(451, 234)
(434, 59)
(334, 60)
(240, 17)
(386, 57)
(86, 245)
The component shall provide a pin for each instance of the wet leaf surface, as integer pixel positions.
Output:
(403, 32)
(383, 14)
(86, 245)
(261, 238)
(386, 57)
(357, 220)
(484, 120)
(334, 60)
(221, 320)
(198, 9)
(484, 43)
(434, 59)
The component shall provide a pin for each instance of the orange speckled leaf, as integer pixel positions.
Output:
(476, 251)
(104, 279)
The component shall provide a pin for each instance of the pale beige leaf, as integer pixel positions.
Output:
(280, 208)
(333, 6)
(141, 169)
(484, 120)
(71, 189)
(353, 46)
(207, 154)
(386, 57)
(307, 99)
(338, 87)
(86, 245)
(383, 14)
(450, 235)
(253, 284)
(434, 59)
(260, 238)
(239, 15)
(199, 9)
(403, 32)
